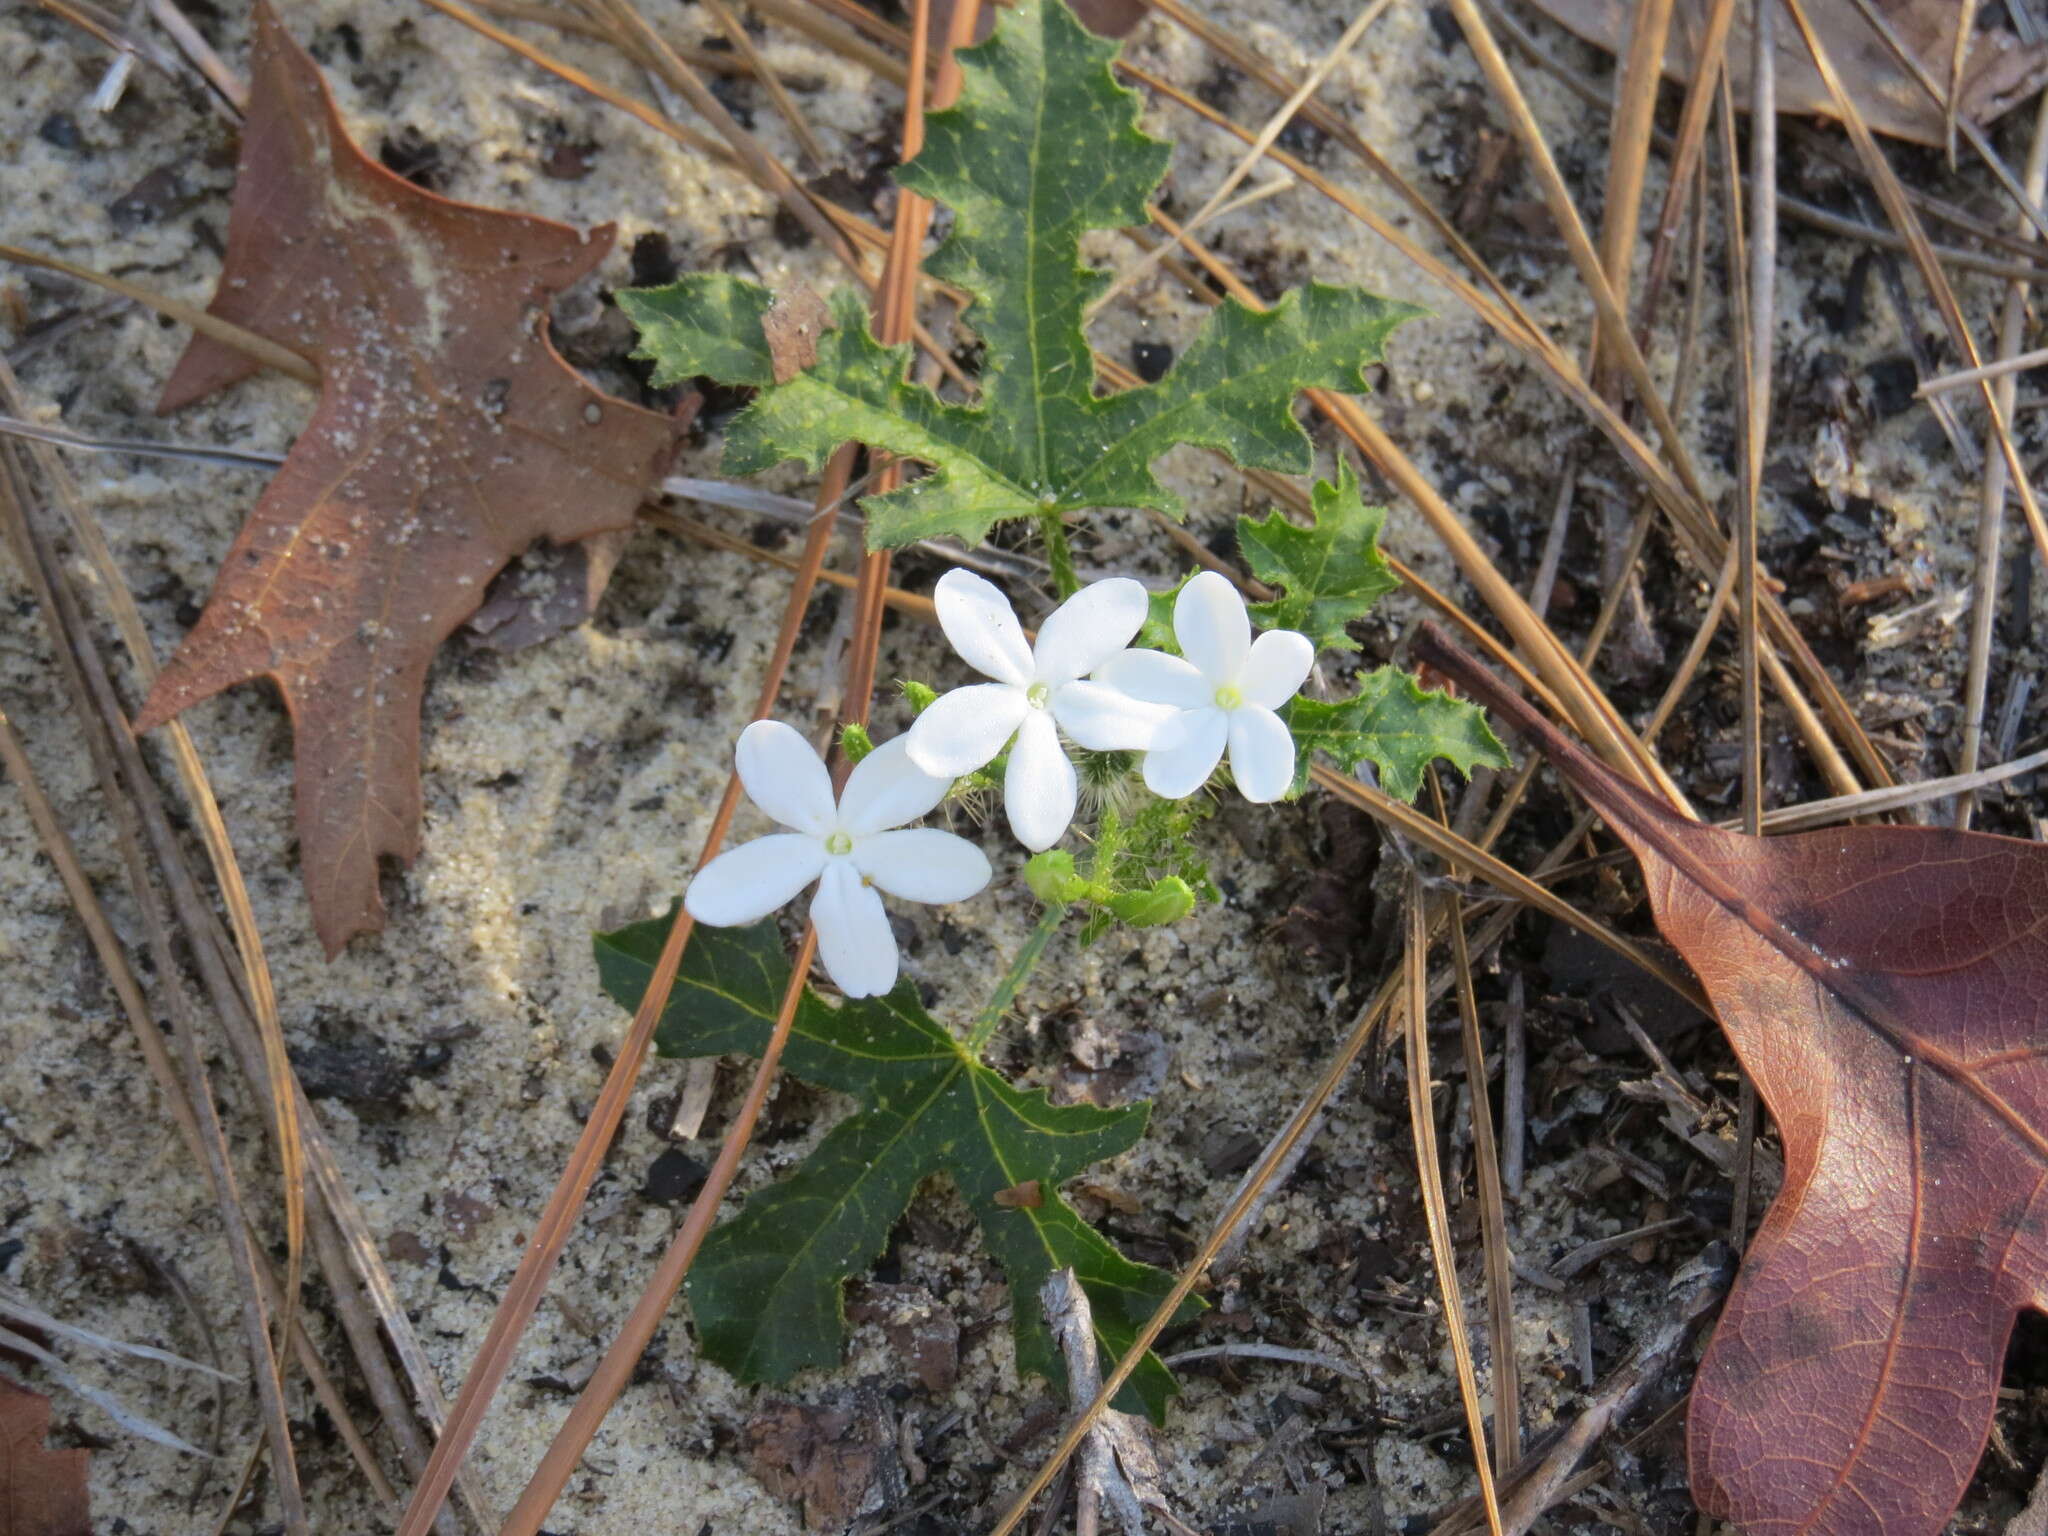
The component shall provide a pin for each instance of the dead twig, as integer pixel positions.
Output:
(1693, 1293)
(1116, 1464)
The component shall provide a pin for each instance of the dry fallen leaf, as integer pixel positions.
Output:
(42, 1492)
(838, 1461)
(2001, 71)
(1887, 988)
(793, 324)
(449, 436)
(1027, 1196)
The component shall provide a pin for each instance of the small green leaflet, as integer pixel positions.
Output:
(709, 324)
(1042, 147)
(1156, 633)
(1399, 726)
(767, 1288)
(1330, 572)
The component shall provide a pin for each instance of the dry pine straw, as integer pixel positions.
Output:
(550, 764)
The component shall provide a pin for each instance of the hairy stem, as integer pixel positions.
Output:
(1052, 527)
(1006, 990)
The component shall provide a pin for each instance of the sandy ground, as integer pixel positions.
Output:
(569, 785)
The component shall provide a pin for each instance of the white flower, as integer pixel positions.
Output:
(1224, 694)
(1033, 688)
(848, 848)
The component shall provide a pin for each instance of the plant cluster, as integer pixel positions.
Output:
(1108, 729)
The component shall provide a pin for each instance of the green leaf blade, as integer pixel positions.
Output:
(767, 1289)
(1030, 1242)
(1329, 573)
(728, 991)
(706, 324)
(1042, 147)
(1397, 725)
(1232, 391)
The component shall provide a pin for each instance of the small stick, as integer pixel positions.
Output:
(1314, 1359)
(107, 95)
(200, 52)
(265, 351)
(1997, 368)
(1514, 1086)
(1991, 505)
(770, 82)
(1545, 580)
(1116, 1463)
(1759, 327)
(1240, 1233)
(1073, 1327)
(1267, 136)
(1695, 1290)
(699, 1079)
(1493, 1223)
(1422, 1123)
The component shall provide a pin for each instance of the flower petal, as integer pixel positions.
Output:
(922, 864)
(1105, 719)
(965, 728)
(886, 789)
(745, 884)
(982, 627)
(785, 777)
(1214, 631)
(1089, 628)
(1261, 754)
(1039, 790)
(1186, 752)
(854, 938)
(1153, 677)
(1276, 668)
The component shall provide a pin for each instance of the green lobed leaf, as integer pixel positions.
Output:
(1396, 724)
(767, 1289)
(1042, 147)
(1330, 572)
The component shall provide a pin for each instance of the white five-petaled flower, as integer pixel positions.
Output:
(1038, 692)
(850, 848)
(1223, 695)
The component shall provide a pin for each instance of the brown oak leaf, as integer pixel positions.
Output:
(1999, 73)
(1887, 987)
(42, 1492)
(448, 437)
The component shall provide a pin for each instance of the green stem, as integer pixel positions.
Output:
(1005, 994)
(1058, 553)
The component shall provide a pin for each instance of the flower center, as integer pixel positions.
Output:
(1038, 695)
(1228, 696)
(839, 844)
